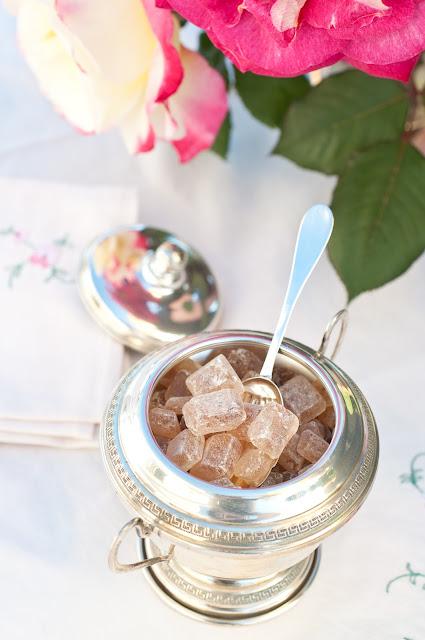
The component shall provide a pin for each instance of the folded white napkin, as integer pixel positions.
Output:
(57, 367)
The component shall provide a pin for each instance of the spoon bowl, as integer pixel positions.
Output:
(259, 390)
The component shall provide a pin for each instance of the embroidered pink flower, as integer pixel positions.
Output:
(40, 260)
(292, 37)
(119, 63)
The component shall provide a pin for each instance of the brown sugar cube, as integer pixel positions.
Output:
(311, 446)
(282, 374)
(290, 460)
(177, 387)
(272, 429)
(244, 360)
(274, 477)
(217, 374)
(185, 450)
(328, 435)
(321, 389)
(251, 411)
(162, 444)
(301, 397)
(164, 423)
(328, 418)
(157, 399)
(212, 412)
(252, 468)
(177, 404)
(224, 482)
(251, 373)
(316, 427)
(220, 455)
(288, 475)
(188, 365)
(305, 468)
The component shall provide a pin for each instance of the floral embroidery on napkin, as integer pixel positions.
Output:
(415, 578)
(416, 474)
(46, 257)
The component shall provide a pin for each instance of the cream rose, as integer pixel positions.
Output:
(106, 64)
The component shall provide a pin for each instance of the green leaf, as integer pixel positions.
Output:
(344, 113)
(214, 57)
(379, 208)
(269, 98)
(221, 144)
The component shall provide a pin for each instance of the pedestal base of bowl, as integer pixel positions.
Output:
(235, 602)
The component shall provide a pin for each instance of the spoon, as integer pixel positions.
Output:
(313, 236)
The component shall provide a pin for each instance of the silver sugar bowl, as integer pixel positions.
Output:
(233, 555)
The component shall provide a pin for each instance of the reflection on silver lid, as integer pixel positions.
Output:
(147, 288)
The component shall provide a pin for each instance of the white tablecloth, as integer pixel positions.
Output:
(58, 511)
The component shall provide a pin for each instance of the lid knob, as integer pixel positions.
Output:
(166, 266)
(147, 288)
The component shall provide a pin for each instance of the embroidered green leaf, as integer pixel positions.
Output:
(7, 232)
(415, 475)
(56, 273)
(63, 241)
(411, 576)
(14, 272)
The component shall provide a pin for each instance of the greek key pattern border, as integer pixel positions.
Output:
(202, 533)
(234, 599)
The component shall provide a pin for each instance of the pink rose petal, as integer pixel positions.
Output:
(200, 105)
(292, 37)
(396, 71)
(394, 45)
(162, 23)
(309, 49)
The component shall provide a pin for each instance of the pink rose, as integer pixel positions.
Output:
(118, 63)
(292, 37)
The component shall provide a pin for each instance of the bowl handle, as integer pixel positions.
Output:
(340, 318)
(143, 531)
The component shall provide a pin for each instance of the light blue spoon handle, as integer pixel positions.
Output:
(313, 236)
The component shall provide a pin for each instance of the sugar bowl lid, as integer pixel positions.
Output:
(147, 288)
